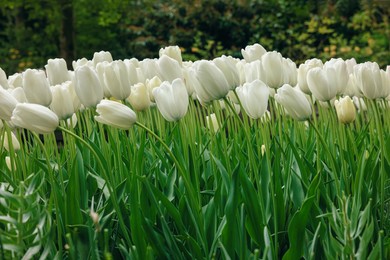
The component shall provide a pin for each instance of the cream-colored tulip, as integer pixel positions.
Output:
(139, 97)
(345, 108)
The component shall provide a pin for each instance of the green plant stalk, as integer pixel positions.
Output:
(52, 181)
(109, 185)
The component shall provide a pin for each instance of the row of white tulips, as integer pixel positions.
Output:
(38, 99)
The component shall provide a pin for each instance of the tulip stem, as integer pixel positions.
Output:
(104, 172)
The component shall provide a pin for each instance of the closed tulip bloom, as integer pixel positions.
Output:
(88, 87)
(346, 111)
(173, 52)
(35, 117)
(62, 103)
(291, 72)
(15, 80)
(254, 98)
(57, 71)
(132, 71)
(252, 71)
(36, 87)
(14, 142)
(149, 68)
(294, 101)
(115, 114)
(169, 69)
(350, 65)
(9, 163)
(152, 84)
(213, 84)
(227, 65)
(172, 99)
(369, 80)
(322, 83)
(100, 68)
(3, 79)
(341, 73)
(101, 56)
(139, 97)
(302, 73)
(274, 70)
(7, 104)
(82, 62)
(18, 94)
(253, 52)
(117, 79)
(212, 122)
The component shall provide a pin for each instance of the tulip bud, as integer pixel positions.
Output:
(346, 111)
(274, 71)
(87, 86)
(341, 75)
(3, 79)
(7, 104)
(62, 103)
(294, 102)
(169, 69)
(213, 84)
(253, 52)
(212, 122)
(302, 73)
(36, 87)
(34, 117)
(139, 97)
(172, 99)
(101, 56)
(322, 83)
(117, 80)
(228, 66)
(152, 84)
(57, 71)
(369, 80)
(14, 142)
(173, 52)
(115, 114)
(9, 164)
(263, 150)
(254, 98)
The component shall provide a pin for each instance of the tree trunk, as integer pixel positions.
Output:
(67, 34)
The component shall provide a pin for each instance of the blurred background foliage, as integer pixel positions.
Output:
(31, 31)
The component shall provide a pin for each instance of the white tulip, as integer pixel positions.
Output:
(212, 122)
(227, 65)
(322, 83)
(57, 71)
(117, 80)
(169, 69)
(101, 56)
(36, 87)
(3, 79)
(88, 87)
(274, 71)
(34, 117)
(294, 101)
(115, 114)
(346, 111)
(152, 84)
(173, 52)
(15, 80)
(253, 52)
(371, 81)
(139, 97)
(302, 73)
(172, 99)
(254, 98)
(62, 103)
(7, 104)
(14, 142)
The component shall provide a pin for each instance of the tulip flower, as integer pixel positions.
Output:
(15, 80)
(36, 87)
(252, 71)
(322, 83)
(34, 117)
(275, 70)
(294, 101)
(132, 71)
(212, 122)
(101, 56)
(172, 99)
(346, 111)
(213, 84)
(254, 98)
(139, 97)
(371, 80)
(169, 69)
(117, 79)
(9, 164)
(7, 104)
(14, 142)
(62, 103)
(87, 86)
(57, 71)
(149, 68)
(227, 65)
(173, 52)
(253, 52)
(3, 79)
(100, 68)
(302, 73)
(82, 62)
(115, 114)
(18, 94)
(152, 84)
(341, 73)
